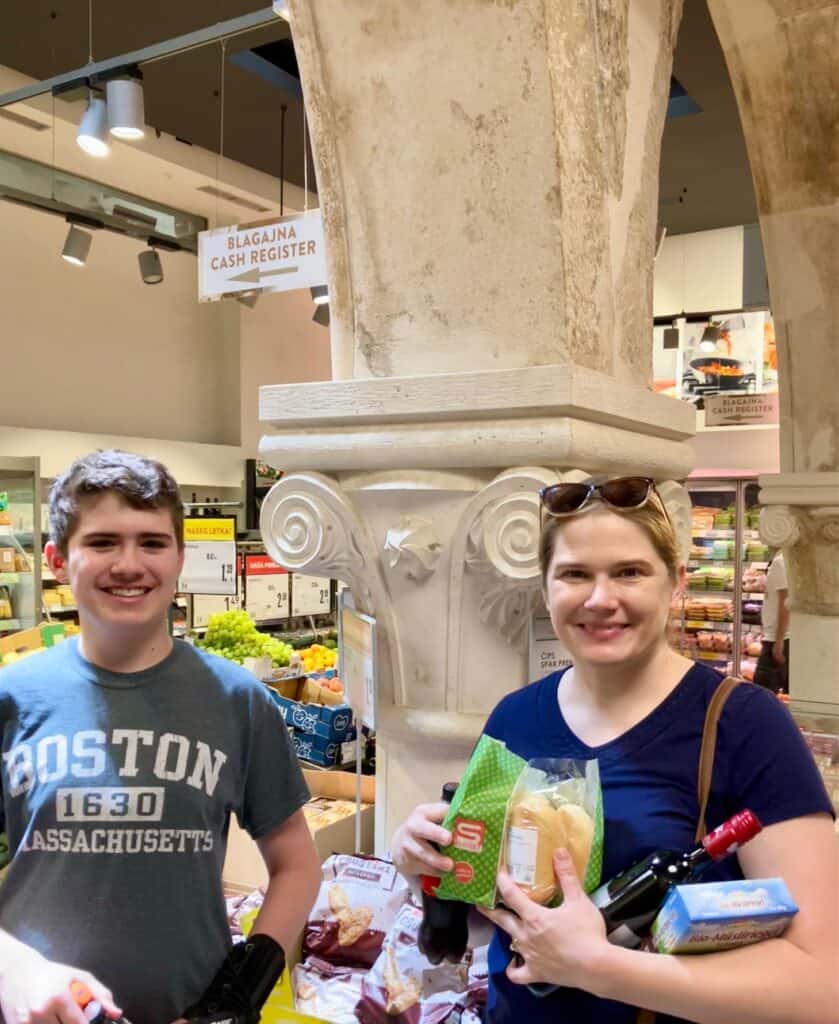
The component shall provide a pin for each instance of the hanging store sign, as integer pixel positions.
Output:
(740, 410)
(209, 556)
(266, 588)
(357, 646)
(275, 256)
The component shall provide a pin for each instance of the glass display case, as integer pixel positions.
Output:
(819, 724)
(20, 544)
(717, 620)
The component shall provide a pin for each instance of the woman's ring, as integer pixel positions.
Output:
(514, 946)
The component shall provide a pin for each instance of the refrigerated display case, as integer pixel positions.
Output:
(20, 544)
(717, 619)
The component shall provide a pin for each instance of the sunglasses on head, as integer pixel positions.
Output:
(626, 492)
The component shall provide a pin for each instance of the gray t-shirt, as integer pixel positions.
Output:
(116, 795)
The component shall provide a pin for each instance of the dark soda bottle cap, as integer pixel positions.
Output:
(449, 790)
(731, 835)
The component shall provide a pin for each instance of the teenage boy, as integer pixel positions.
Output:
(122, 755)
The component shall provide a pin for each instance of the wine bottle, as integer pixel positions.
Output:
(444, 932)
(630, 902)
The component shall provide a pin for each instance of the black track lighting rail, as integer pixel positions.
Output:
(103, 69)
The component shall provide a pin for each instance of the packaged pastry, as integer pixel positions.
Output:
(507, 812)
(356, 906)
(549, 809)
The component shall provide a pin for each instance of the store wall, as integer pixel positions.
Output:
(93, 349)
(279, 344)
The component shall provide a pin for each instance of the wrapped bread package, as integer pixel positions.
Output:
(515, 814)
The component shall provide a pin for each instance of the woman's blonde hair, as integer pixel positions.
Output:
(651, 517)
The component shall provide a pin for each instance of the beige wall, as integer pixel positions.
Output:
(279, 344)
(95, 350)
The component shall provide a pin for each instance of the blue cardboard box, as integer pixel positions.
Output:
(329, 723)
(720, 915)
(313, 748)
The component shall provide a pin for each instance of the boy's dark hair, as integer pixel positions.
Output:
(142, 483)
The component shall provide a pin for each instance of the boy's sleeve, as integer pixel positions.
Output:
(274, 785)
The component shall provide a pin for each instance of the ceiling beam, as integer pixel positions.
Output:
(168, 48)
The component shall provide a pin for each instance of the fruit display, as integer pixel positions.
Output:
(318, 658)
(233, 635)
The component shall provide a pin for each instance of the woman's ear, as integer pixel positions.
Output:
(56, 562)
(681, 581)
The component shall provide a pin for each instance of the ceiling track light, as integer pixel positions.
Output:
(710, 336)
(322, 315)
(76, 246)
(92, 135)
(320, 294)
(126, 115)
(151, 269)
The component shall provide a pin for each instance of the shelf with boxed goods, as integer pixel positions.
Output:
(721, 605)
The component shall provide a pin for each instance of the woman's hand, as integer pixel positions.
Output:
(562, 946)
(411, 847)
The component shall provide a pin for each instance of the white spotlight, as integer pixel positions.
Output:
(320, 294)
(126, 116)
(151, 268)
(93, 129)
(76, 246)
(281, 9)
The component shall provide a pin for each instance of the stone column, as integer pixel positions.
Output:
(782, 56)
(488, 176)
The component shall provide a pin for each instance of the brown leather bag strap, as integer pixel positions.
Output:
(709, 748)
(704, 776)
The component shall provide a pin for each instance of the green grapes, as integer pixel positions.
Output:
(233, 635)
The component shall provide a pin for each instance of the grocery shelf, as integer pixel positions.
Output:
(708, 624)
(7, 625)
(61, 608)
(9, 578)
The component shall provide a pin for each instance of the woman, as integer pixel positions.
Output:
(610, 569)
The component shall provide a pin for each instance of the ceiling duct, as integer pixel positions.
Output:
(23, 122)
(229, 197)
(53, 190)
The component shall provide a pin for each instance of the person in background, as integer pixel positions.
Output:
(772, 670)
(610, 570)
(123, 753)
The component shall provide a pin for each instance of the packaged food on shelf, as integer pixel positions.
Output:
(7, 559)
(356, 907)
(327, 991)
(403, 987)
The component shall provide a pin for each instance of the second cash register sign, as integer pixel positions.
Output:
(276, 255)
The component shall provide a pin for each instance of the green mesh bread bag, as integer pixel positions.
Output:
(476, 820)
(513, 814)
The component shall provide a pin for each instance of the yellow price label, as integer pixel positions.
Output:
(209, 529)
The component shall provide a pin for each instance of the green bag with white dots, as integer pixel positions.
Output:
(511, 812)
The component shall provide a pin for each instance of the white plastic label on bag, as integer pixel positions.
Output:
(522, 846)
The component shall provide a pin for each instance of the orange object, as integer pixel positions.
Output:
(81, 994)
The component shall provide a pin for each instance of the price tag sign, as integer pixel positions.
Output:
(266, 588)
(310, 595)
(547, 654)
(205, 605)
(209, 556)
(357, 644)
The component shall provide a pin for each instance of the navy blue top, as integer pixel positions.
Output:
(649, 781)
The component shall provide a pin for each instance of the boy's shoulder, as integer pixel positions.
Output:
(31, 667)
